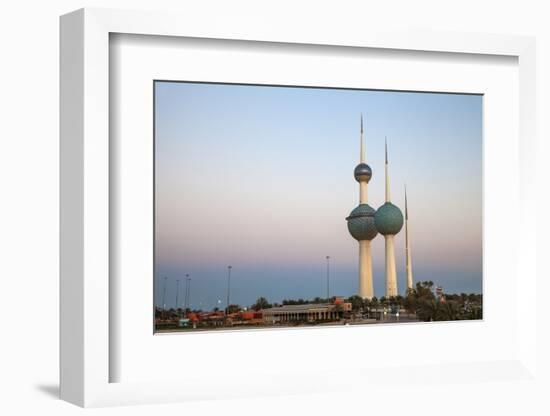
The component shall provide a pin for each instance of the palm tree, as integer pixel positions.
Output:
(357, 302)
(410, 301)
(233, 308)
(399, 300)
(261, 303)
(448, 311)
(424, 289)
(374, 302)
(428, 310)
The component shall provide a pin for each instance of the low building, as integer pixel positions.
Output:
(210, 319)
(311, 312)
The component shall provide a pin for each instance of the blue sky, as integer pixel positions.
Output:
(261, 178)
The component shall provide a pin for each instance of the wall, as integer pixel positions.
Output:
(29, 209)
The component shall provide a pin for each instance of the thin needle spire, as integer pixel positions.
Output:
(406, 208)
(408, 262)
(387, 173)
(362, 155)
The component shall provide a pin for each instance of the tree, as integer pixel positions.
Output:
(233, 309)
(472, 297)
(410, 302)
(475, 312)
(399, 300)
(374, 302)
(410, 291)
(261, 303)
(421, 301)
(357, 303)
(424, 289)
(448, 311)
(428, 309)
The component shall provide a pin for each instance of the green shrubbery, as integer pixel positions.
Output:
(427, 307)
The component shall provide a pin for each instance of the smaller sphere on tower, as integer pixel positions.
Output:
(362, 172)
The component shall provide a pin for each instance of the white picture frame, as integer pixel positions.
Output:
(86, 166)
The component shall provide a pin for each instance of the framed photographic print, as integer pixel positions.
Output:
(256, 204)
(251, 185)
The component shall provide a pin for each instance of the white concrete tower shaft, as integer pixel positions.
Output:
(366, 287)
(408, 261)
(391, 273)
(363, 191)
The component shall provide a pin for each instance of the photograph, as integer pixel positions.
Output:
(225, 208)
(281, 206)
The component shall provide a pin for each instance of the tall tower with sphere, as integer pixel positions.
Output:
(388, 220)
(361, 223)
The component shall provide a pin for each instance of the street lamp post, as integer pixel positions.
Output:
(164, 298)
(186, 299)
(189, 292)
(228, 286)
(328, 278)
(177, 294)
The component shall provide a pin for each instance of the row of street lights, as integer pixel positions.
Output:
(228, 300)
(186, 302)
(328, 277)
(228, 286)
(229, 283)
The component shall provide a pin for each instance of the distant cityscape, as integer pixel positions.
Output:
(424, 303)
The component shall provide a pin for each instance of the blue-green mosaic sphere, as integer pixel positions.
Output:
(388, 219)
(361, 223)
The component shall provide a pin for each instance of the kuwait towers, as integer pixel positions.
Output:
(364, 223)
(361, 223)
(388, 221)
